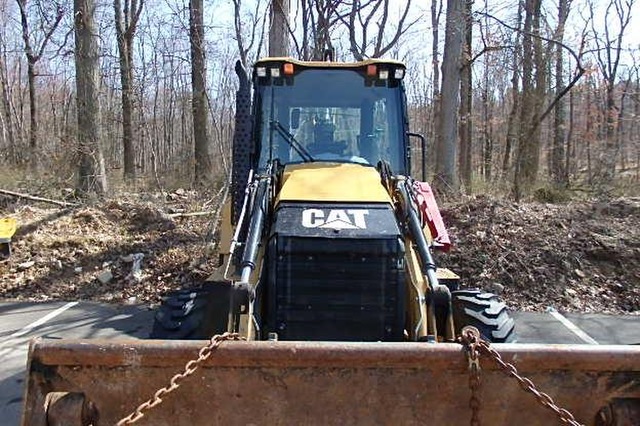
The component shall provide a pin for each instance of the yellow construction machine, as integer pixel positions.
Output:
(328, 274)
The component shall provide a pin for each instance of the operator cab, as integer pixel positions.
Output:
(327, 111)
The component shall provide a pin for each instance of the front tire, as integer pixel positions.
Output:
(193, 314)
(484, 311)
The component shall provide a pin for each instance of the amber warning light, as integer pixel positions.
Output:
(288, 69)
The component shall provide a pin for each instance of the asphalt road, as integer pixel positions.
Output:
(19, 322)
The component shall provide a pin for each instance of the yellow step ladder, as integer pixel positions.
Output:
(8, 227)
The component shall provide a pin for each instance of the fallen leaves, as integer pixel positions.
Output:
(576, 256)
(118, 251)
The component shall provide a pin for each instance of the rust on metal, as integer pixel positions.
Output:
(327, 383)
(529, 357)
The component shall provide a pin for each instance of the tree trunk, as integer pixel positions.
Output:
(466, 100)
(436, 9)
(570, 151)
(202, 147)
(92, 176)
(125, 32)
(31, 83)
(6, 106)
(590, 132)
(541, 64)
(513, 124)
(322, 39)
(33, 115)
(635, 125)
(621, 129)
(528, 152)
(446, 177)
(487, 142)
(558, 170)
(33, 56)
(609, 156)
(608, 55)
(279, 28)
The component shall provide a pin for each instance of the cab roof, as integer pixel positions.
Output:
(326, 64)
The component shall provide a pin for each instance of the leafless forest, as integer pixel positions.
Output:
(515, 97)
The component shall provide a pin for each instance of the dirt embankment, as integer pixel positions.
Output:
(576, 257)
(116, 251)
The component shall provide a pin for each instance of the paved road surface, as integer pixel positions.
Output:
(19, 322)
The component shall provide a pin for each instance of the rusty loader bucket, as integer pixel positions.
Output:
(278, 383)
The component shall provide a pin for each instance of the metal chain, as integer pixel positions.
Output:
(189, 368)
(471, 344)
(470, 338)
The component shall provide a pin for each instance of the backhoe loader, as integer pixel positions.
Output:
(328, 272)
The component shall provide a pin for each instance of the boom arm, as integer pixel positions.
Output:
(256, 228)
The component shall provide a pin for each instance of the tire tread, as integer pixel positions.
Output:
(486, 312)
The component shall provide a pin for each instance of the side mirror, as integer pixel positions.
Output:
(423, 147)
(295, 118)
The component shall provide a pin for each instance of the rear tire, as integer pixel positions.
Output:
(193, 314)
(484, 311)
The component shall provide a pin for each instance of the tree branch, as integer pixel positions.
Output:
(34, 198)
(49, 34)
(578, 74)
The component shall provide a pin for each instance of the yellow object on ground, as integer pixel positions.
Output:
(8, 227)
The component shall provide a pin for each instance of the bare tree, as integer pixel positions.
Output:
(635, 127)
(486, 137)
(527, 113)
(513, 123)
(92, 176)
(127, 15)
(446, 144)
(361, 17)
(34, 53)
(320, 19)
(7, 117)
(256, 31)
(466, 98)
(533, 77)
(558, 170)
(608, 54)
(279, 28)
(436, 13)
(322, 39)
(202, 147)
(621, 119)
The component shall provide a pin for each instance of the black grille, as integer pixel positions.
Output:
(336, 289)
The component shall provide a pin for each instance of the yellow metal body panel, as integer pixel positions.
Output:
(226, 229)
(446, 274)
(332, 182)
(8, 227)
(421, 321)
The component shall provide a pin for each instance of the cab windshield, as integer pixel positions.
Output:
(331, 115)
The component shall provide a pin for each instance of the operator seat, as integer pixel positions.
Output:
(323, 140)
